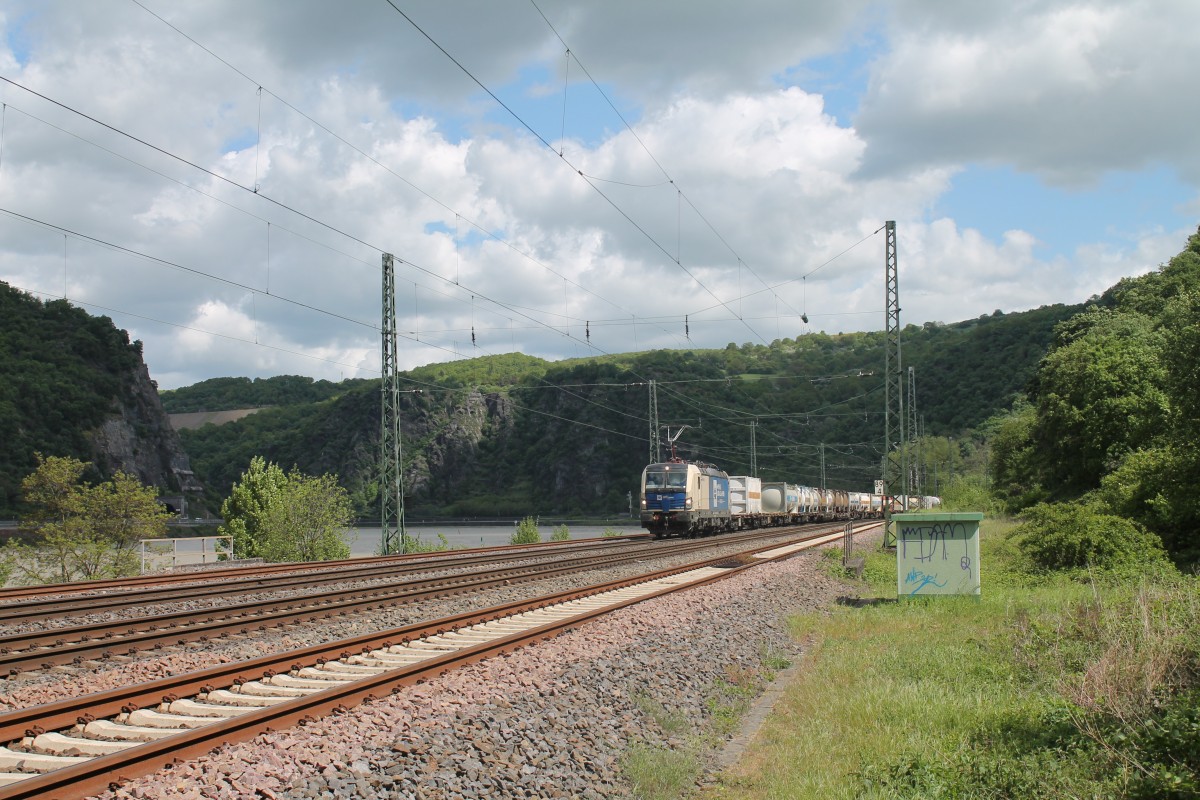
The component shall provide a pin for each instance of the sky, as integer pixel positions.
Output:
(566, 178)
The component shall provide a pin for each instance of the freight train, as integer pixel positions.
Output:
(690, 498)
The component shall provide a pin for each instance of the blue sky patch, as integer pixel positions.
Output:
(998, 199)
(244, 139)
(454, 128)
(467, 235)
(840, 77)
(18, 39)
(537, 97)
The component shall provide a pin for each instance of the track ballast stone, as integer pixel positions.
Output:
(550, 721)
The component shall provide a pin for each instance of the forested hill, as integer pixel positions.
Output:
(74, 385)
(226, 394)
(514, 434)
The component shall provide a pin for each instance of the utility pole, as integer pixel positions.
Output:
(895, 467)
(391, 477)
(913, 437)
(655, 454)
(822, 466)
(753, 447)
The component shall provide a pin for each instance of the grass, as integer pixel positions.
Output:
(659, 773)
(671, 722)
(1044, 687)
(669, 770)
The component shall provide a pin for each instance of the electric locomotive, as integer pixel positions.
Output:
(684, 498)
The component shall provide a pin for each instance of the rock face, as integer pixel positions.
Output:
(454, 433)
(72, 384)
(137, 438)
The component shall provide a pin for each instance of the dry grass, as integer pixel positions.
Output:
(1143, 647)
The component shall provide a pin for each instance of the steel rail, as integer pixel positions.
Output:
(203, 586)
(19, 652)
(102, 772)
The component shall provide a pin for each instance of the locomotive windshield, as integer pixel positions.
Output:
(659, 479)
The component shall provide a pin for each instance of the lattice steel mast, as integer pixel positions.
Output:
(914, 440)
(655, 451)
(391, 478)
(895, 467)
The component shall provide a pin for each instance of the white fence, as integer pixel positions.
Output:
(164, 554)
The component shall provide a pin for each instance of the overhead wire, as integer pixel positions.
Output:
(683, 197)
(424, 193)
(816, 269)
(269, 199)
(637, 226)
(245, 287)
(293, 210)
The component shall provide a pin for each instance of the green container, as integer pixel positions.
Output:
(937, 553)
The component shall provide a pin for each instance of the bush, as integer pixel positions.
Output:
(1167, 747)
(1065, 536)
(969, 493)
(561, 534)
(1127, 666)
(526, 532)
(413, 544)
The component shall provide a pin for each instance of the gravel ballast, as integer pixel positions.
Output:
(554, 720)
(35, 688)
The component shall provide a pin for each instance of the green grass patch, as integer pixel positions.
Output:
(1045, 687)
(670, 721)
(660, 773)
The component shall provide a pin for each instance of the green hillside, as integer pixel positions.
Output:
(513, 434)
(226, 394)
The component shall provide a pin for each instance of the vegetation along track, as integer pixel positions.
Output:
(43, 648)
(81, 746)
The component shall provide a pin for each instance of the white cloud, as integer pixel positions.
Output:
(1067, 91)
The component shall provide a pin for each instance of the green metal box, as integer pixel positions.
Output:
(937, 553)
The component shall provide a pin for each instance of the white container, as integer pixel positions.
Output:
(745, 495)
(779, 498)
(809, 499)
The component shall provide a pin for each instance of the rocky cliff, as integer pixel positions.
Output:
(137, 438)
(72, 384)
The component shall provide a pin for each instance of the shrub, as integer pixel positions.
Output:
(413, 544)
(526, 532)
(561, 534)
(1064, 536)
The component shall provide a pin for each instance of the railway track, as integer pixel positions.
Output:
(46, 648)
(49, 601)
(78, 747)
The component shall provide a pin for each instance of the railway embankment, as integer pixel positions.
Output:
(1054, 683)
(656, 686)
(565, 719)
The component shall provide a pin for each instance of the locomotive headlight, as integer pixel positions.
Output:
(687, 503)
(643, 502)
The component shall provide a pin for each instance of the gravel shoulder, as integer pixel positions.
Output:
(550, 721)
(35, 688)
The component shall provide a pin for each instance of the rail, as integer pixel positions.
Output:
(355, 670)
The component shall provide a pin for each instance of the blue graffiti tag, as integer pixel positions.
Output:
(922, 580)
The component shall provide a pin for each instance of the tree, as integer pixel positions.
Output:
(84, 531)
(123, 512)
(307, 525)
(1100, 396)
(286, 517)
(1012, 467)
(245, 510)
